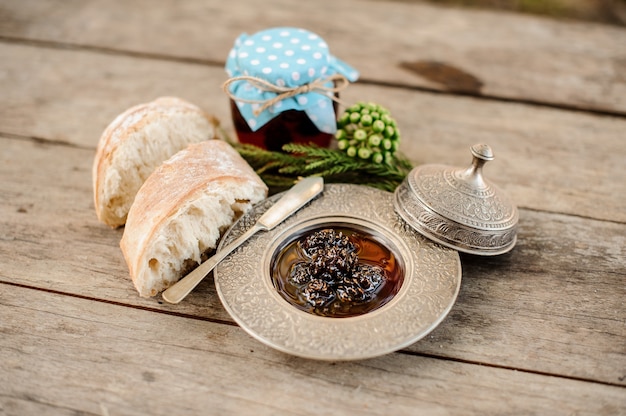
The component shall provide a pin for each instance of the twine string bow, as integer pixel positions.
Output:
(319, 86)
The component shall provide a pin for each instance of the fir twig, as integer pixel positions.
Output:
(280, 170)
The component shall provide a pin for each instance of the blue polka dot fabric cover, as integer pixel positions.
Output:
(286, 57)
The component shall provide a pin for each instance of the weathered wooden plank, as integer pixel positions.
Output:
(49, 225)
(546, 159)
(559, 294)
(549, 291)
(71, 97)
(512, 56)
(543, 324)
(66, 355)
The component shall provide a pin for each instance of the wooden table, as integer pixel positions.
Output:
(541, 330)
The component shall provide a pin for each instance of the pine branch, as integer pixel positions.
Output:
(280, 170)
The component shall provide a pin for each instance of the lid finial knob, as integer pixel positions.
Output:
(474, 174)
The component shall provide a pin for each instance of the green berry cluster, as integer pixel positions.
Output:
(367, 131)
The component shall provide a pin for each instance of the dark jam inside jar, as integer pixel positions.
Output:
(287, 127)
(336, 272)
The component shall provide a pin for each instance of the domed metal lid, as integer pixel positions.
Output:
(459, 208)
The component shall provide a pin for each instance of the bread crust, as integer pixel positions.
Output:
(206, 169)
(113, 138)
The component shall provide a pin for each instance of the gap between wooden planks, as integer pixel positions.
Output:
(518, 57)
(90, 355)
(588, 127)
(546, 159)
(556, 294)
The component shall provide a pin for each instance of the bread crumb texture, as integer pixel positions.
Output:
(135, 143)
(182, 209)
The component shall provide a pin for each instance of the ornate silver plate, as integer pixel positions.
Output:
(431, 282)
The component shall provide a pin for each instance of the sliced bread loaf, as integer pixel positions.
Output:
(182, 209)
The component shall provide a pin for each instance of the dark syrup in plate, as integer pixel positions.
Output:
(371, 252)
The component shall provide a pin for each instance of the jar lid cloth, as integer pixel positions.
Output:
(286, 57)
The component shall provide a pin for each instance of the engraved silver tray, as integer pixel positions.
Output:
(430, 287)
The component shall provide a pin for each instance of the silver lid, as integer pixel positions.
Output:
(458, 207)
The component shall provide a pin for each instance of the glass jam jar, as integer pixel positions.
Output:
(287, 127)
(283, 88)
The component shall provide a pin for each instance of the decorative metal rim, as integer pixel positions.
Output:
(429, 290)
(456, 189)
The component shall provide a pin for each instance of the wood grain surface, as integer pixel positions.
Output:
(158, 364)
(510, 306)
(514, 56)
(540, 330)
(546, 159)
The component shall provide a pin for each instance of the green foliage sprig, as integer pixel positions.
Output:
(280, 170)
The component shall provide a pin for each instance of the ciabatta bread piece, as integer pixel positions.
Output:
(135, 143)
(182, 209)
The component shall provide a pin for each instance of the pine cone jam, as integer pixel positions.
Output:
(336, 272)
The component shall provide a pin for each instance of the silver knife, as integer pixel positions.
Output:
(294, 199)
